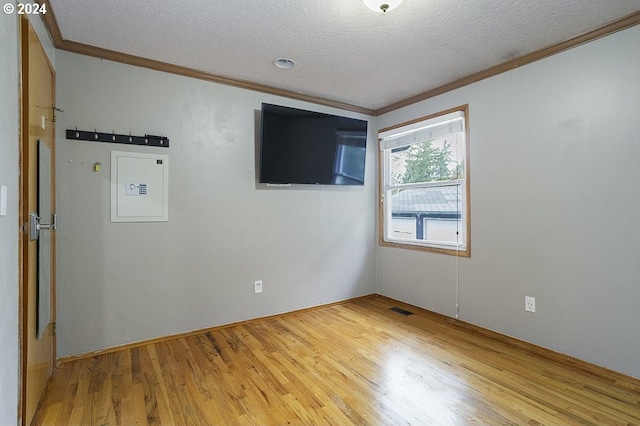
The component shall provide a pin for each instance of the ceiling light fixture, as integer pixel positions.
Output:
(382, 5)
(284, 63)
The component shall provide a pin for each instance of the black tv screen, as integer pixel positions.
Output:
(306, 147)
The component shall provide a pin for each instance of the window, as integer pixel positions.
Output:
(424, 203)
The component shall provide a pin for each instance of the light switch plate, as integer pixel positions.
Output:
(3, 200)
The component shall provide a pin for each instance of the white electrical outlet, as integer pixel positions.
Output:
(258, 286)
(529, 304)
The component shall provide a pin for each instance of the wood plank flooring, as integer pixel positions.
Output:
(353, 363)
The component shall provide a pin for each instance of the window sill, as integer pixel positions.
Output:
(451, 252)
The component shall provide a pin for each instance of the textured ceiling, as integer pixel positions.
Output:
(344, 52)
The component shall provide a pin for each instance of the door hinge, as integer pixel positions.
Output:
(55, 326)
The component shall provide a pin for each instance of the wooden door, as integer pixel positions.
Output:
(37, 153)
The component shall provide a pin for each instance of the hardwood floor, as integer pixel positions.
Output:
(352, 363)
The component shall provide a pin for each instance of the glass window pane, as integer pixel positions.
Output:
(429, 161)
(426, 214)
(403, 228)
(442, 230)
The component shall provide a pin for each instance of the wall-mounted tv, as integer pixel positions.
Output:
(307, 147)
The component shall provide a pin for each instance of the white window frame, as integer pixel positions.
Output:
(425, 128)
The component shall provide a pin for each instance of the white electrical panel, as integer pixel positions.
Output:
(139, 187)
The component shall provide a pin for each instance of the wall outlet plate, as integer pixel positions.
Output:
(529, 304)
(258, 286)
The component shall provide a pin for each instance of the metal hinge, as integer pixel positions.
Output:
(55, 326)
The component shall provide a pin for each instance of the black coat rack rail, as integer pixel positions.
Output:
(147, 140)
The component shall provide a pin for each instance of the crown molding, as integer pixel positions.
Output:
(84, 49)
(619, 25)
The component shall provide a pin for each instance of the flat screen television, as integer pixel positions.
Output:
(307, 147)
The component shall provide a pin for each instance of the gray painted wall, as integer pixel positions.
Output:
(125, 282)
(554, 206)
(9, 144)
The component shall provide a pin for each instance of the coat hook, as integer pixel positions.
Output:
(53, 113)
(95, 133)
(77, 133)
(113, 138)
(130, 138)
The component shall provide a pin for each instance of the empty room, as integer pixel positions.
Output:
(287, 212)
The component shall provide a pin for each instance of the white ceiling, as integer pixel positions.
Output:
(344, 52)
